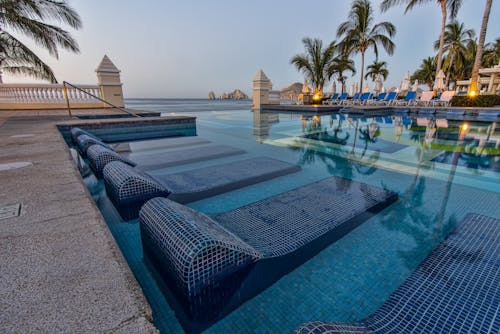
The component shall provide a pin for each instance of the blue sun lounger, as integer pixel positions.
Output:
(341, 99)
(389, 99)
(454, 290)
(332, 99)
(380, 98)
(408, 100)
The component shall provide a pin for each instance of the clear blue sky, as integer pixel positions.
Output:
(187, 48)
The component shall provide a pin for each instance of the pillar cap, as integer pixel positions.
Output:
(107, 66)
(261, 76)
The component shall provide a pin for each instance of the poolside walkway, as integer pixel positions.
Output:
(61, 270)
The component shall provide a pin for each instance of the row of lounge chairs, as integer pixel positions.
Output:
(127, 181)
(391, 99)
(202, 258)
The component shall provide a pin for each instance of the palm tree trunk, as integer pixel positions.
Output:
(473, 88)
(449, 70)
(441, 36)
(362, 71)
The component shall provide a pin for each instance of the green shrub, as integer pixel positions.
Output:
(482, 101)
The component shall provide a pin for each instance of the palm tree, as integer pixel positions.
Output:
(491, 54)
(452, 5)
(426, 72)
(316, 63)
(377, 68)
(456, 39)
(473, 88)
(360, 33)
(340, 65)
(27, 18)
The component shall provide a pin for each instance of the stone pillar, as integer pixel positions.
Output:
(110, 86)
(491, 84)
(261, 87)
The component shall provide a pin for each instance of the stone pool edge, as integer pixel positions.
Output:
(61, 268)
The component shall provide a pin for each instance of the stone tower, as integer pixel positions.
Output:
(261, 87)
(108, 79)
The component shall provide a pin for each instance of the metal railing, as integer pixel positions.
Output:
(66, 95)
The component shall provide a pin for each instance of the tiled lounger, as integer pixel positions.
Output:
(129, 188)
(455, 290)
(200, 251)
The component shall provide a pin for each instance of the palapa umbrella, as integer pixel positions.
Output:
(405, 85)
(352, 89)
(415, 85)
(305, 88)
(439, 84)
(379, 85)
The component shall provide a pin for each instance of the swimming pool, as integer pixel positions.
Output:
(440, 168)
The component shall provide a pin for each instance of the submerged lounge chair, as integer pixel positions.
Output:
(76, 132)
(197, 252)
(88, 147)
(129, 188)
(455, 289)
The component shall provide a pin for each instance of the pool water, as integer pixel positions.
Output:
(441, 169)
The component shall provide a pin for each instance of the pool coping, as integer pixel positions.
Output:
(61, 268)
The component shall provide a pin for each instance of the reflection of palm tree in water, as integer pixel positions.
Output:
(425, 228)
(368, 134)
(336, 157)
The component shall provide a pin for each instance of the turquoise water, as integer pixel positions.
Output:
(441, 170)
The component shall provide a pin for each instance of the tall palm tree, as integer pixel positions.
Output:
(316, 63)
(340, 65)
(466, 61)
(491, 54)
(445, 5)
(456, 39)
(377, 68)
(473, 88)
(28, 18)
(360, 33)
(426, 72)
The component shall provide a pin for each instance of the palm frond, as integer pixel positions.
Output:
(17, 57)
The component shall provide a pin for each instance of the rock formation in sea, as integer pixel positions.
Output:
(291, 92)
(237, 94)
(211, 95)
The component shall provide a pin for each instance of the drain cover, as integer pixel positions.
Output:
(15, 165)
(23, 136)
(10, 211)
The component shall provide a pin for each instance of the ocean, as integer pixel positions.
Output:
(169, 106)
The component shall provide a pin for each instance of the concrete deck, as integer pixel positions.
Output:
(61, 270)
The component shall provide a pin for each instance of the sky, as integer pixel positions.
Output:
(185, 49)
